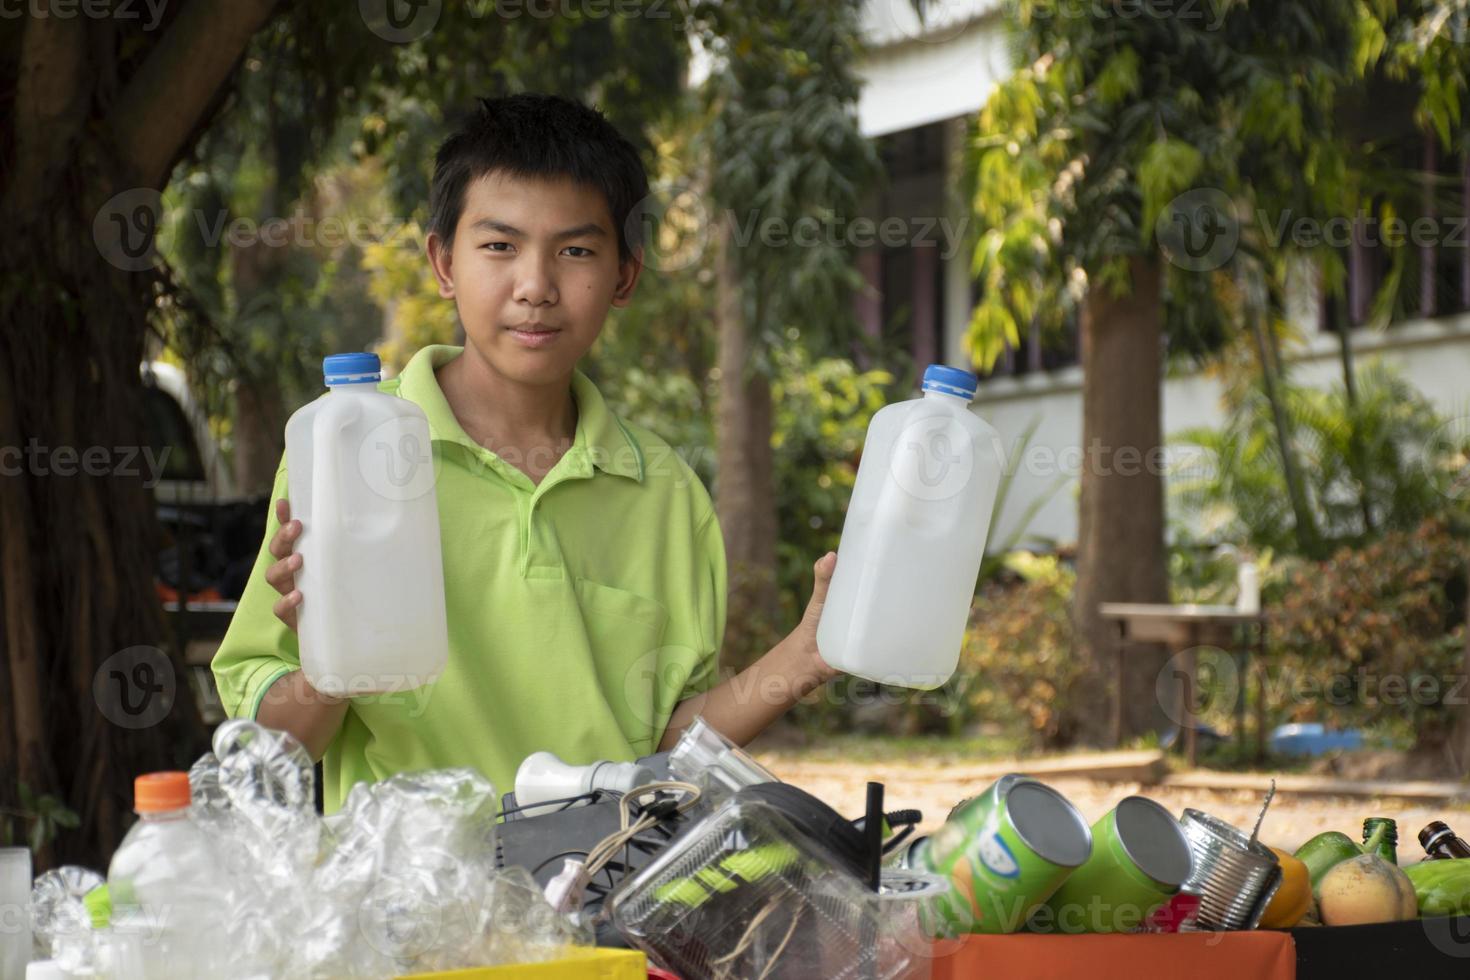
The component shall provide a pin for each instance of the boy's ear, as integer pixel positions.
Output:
(628, 273)
(441, 261)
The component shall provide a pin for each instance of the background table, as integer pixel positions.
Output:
(1183, 628)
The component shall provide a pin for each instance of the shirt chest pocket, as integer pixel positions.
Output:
(625, 631)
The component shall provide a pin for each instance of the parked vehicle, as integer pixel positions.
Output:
(211, 532)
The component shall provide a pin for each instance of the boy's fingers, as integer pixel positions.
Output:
(282, 575)
(822, 578)
(285, 608)
(284, 538)
(283, 510)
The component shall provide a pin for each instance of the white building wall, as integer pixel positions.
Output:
(1433, 354)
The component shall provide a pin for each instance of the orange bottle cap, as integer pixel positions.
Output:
(157, 792)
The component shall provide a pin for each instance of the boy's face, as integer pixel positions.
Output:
(533, 271)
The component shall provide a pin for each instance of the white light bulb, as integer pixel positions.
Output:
(543, 777)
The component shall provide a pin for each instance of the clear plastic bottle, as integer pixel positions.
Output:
(914, 537)
(168, 889)
(361, 473)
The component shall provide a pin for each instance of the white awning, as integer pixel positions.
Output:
(914, 74)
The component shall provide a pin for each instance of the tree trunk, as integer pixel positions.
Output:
(1120, 537)
(91, 701)
(1459, 747)
(96, 698)
(259, 429)
(745, 495)
(1338, 322)
(257, 434)
(1308, 540)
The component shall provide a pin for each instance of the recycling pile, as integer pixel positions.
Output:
(720, 873)
(254, 884)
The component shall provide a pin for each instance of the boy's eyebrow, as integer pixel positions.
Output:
(589, 230)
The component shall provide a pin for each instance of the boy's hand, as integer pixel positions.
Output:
(805, 634)
(282, 574)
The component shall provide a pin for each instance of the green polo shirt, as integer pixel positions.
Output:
(581, 610)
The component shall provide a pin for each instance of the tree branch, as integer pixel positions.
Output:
(165, 99)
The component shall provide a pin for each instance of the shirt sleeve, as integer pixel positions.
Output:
(258, 649)
(710, 603)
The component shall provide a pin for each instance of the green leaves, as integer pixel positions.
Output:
(1369, 40)
(787, 153)
(1273, 114)
(1168, 168)
(992, 328)
(38, 822)
(1382, 453)
(1119, 77)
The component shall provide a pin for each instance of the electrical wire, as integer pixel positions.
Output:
(555, 857)
(565, 803)
(603, 852)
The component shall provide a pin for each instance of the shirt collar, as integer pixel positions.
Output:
(600, 435)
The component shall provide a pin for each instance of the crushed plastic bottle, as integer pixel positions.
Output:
(60, 922)
(405, 875)
(518, 925)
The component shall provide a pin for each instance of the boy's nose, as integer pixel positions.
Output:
(534, 282)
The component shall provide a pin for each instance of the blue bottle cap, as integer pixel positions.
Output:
(347, 369)
(950, 381)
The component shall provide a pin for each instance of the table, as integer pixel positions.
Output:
(1183, 628)
(1261, 955)
(1423, 949)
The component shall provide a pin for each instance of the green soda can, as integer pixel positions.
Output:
(1004, 853)
(1140, 857)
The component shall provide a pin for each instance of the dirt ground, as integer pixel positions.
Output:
(935, 787)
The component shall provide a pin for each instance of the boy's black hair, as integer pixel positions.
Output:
(540, 136)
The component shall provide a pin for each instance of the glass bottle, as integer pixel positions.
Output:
(1388, 843)
(1440, 842)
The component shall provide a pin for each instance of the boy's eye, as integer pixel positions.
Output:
(577, 251)
(497, 246)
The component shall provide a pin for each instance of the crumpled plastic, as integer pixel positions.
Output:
(518, 925)
(404, 875)
(402, 879)
(60, 922)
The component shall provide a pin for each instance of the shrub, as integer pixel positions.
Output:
(1017, 669)
(1376, 464)
(1374, 636)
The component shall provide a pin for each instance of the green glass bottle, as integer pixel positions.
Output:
(1388, 841)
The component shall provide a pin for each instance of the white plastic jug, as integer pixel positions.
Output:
(913, 538)
(361, 480)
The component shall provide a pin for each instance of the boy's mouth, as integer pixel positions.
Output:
(534, 334)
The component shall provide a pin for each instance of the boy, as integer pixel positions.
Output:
(584, 568)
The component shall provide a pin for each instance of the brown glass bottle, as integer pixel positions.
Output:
(1441, 842)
